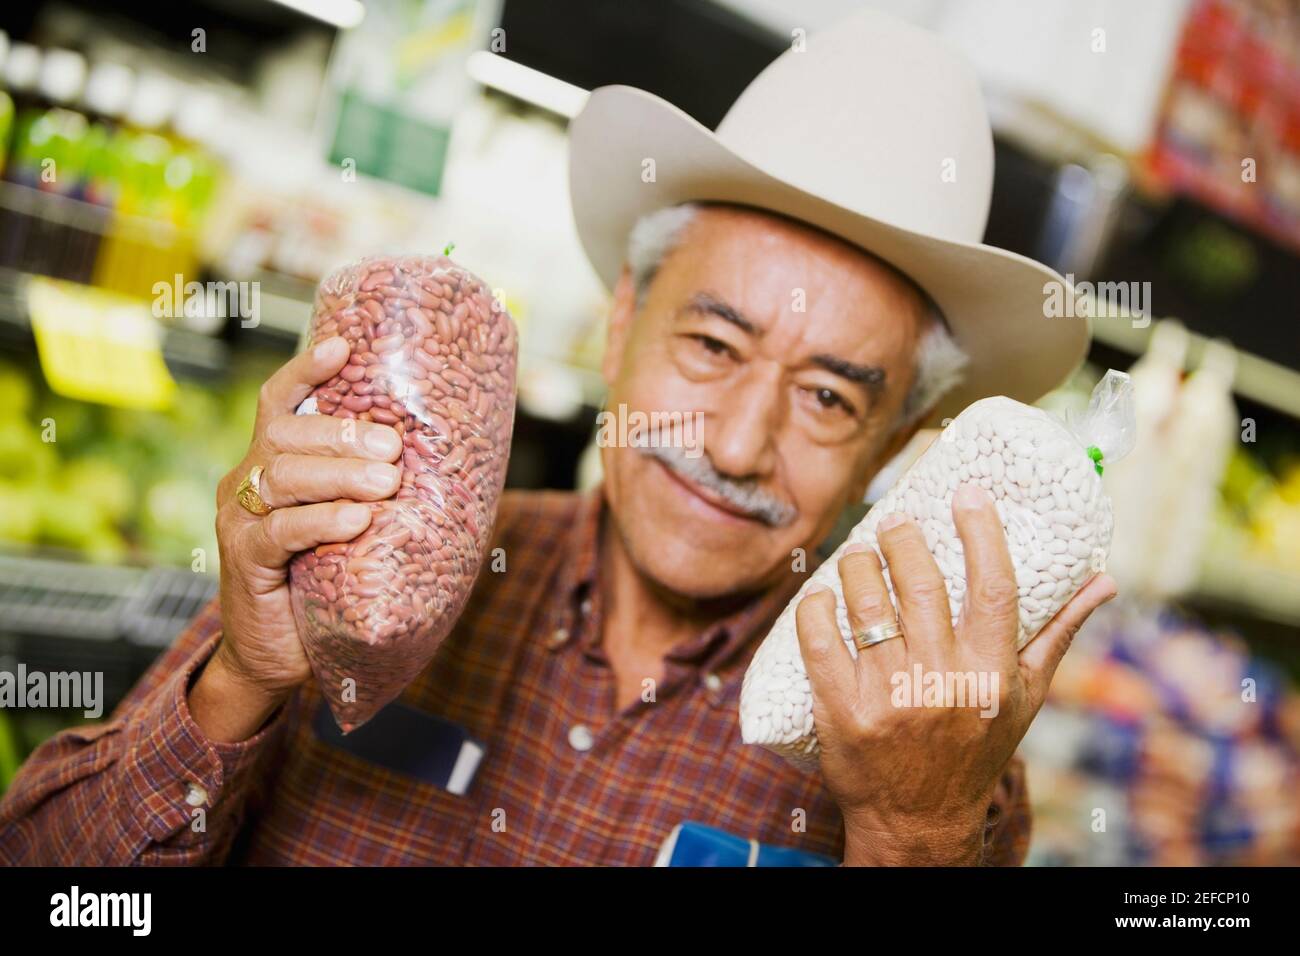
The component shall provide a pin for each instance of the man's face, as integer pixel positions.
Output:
(797, 352)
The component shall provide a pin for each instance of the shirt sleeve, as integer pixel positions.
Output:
(145, 786)
(1010, 820)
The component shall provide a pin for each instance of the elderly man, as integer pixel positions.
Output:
(809, 283)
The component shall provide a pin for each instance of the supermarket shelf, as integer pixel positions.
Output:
(1260, 590)
(1257, 378)
(188, 354)
(46, 597)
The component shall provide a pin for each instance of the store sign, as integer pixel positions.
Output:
(97, 346)
(383, 142)
(395, 85)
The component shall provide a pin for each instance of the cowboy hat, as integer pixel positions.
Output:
(874, 131)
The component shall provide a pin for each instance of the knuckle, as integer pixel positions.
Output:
(276, 433)
(278, 473)
(929, 590)
(266, 393)
(870, 604)
(276, 527)
(996, 595)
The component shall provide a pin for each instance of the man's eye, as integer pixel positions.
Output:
(830, 399)
(715, 346)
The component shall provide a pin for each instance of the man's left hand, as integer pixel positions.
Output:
(914, 782)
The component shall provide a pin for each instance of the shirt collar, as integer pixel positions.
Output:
(713, 648)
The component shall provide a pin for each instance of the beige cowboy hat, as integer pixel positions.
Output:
(875, 131)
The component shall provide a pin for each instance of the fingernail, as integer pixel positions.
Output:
(327, 349)
(816, 589)
(355, 514)
(380, 475)
(855, 548)
(969, 497)
(889, 522)
(381, 441)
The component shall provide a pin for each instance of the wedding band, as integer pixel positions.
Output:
(249, 493)
(877, 635)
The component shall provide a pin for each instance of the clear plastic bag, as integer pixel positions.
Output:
(1107, 429)
(433, 356)
(1044, 475)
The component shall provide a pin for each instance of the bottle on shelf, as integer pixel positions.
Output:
(104, 103)
(137, 251)
(22, 67)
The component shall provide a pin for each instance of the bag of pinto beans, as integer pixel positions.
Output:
(433, 356)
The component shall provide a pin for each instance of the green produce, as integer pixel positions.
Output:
(23, 456)
(20, 515)
(102, 482)
(68, 520)
(15, 391)
(177, 517)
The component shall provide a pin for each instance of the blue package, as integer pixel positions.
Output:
(694, 844)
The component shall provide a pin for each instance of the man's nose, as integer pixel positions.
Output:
(740, 436)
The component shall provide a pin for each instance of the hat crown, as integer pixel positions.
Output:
(877, 116)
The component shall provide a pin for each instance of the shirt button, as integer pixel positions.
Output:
(580, 738)
(557, 638)
(713, 682)
(195, 795)
(585, 607)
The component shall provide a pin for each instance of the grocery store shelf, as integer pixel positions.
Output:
(57, 598)
(1257, 378)
(1258, 589)
(188, 354)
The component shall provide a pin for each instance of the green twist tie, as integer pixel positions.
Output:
(450, 246)
(1095, 454)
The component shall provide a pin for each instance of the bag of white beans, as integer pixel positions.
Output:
(1044, 475)
(433, 356)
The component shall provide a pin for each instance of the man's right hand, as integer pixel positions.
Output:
(316, 467)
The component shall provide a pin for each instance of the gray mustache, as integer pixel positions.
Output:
(743, 494)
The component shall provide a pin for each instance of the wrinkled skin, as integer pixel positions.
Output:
(914, 784)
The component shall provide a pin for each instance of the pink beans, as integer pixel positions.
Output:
(372, 612)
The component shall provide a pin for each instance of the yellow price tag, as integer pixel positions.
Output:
(97, 346)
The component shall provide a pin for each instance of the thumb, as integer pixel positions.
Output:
(293, 381)
(1041, 657)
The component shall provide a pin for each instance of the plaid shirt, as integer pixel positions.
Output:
(567, 777)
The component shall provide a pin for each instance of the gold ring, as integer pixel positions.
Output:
(249, 493)
(877, 635)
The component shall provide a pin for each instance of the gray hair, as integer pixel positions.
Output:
(940, 362)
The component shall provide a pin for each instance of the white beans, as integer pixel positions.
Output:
(1058, 525)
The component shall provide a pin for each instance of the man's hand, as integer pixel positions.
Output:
(914, 782)
(316, 468)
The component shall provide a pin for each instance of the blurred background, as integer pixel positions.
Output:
(251, 146)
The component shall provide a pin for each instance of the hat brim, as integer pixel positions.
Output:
(992, 299)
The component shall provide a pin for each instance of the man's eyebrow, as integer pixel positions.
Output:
(872, 376)
(712, 305)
